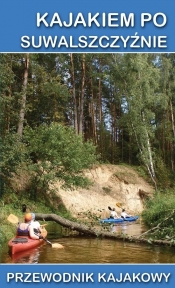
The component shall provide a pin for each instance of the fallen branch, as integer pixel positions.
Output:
(94, 232)
(158, 226)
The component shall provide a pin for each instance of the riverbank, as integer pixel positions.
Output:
(110, 184)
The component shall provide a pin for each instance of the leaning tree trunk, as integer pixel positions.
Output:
(87, 230)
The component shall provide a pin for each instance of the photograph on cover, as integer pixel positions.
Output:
(87, 157)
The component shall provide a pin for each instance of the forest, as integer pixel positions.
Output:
(61, 113)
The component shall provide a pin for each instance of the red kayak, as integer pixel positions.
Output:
(22, 243)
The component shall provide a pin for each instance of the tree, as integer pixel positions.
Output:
(139, 90)
(7, 78)
(74, 93)
(23, 96)
(59, 154)
(165, 114)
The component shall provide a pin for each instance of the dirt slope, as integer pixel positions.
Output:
(111, 184)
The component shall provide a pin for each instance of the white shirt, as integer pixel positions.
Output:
(114, 214)
(35, 224)
(124, 215)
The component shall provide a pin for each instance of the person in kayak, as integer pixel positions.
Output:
(124, 214)
(37, 227)
(35, 224)
(114, 214)
(26, 229)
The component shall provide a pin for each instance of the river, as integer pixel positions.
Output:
(93, 250)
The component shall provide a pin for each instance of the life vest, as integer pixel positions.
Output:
(23, 232)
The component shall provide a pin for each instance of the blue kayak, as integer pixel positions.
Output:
(119, 220)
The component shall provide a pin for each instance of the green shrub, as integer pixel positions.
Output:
(160, 213)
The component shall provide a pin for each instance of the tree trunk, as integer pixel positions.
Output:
(82, 96)
(173, 131)
(149, 149)
(74, 94)
(93, 115)
(23, 99)
(82, 228)
(141, 149)
(101, 144)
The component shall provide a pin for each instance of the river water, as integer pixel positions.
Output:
(93, 250)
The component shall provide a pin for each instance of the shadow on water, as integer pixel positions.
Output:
(93, 250)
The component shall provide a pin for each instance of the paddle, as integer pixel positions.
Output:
(14, 220)
(119, 205)
(44, 239)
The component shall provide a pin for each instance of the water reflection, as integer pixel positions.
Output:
(80, 250)
(94, 250)
(30, 256)
(128, 228)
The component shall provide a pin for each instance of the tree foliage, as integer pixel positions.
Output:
(159, 214)
(13, 154)
(58, 153)
(123, 103)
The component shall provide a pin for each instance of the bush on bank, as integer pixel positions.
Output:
(159, 214)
